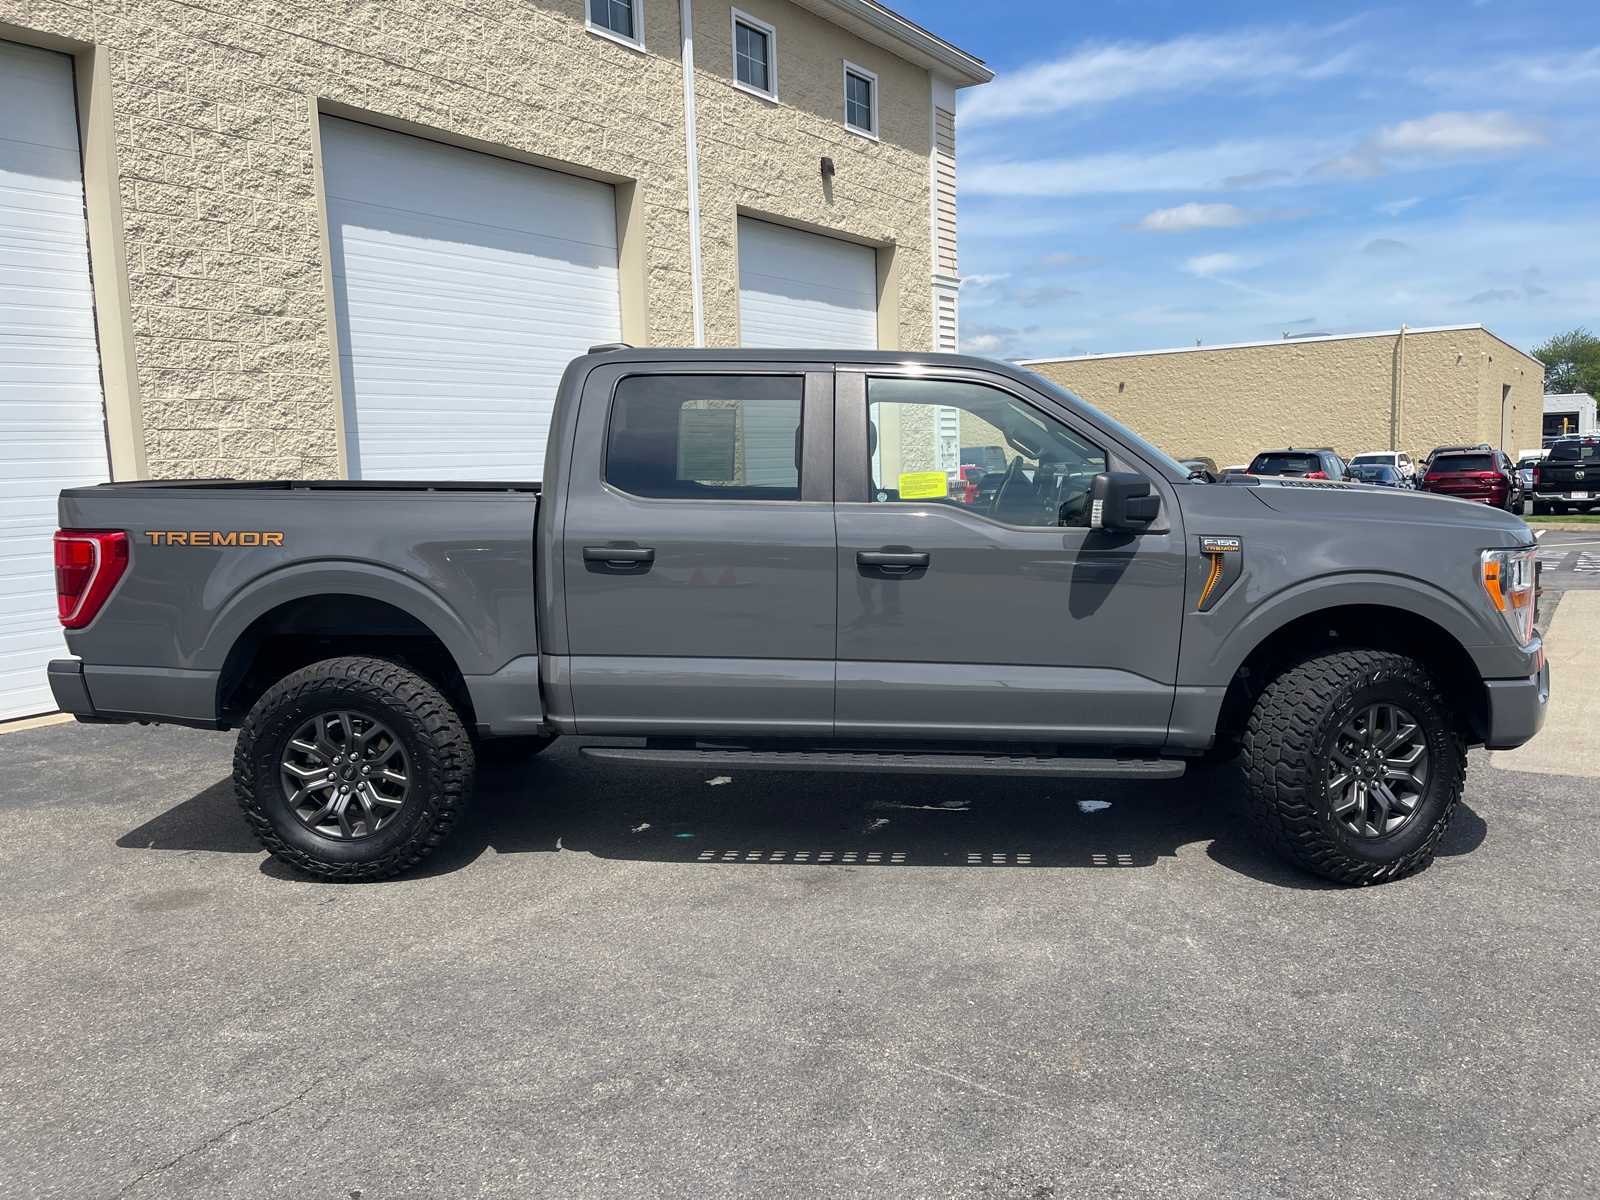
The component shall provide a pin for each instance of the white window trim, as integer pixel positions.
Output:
(756, 23)
(871, 77)
(636, 42)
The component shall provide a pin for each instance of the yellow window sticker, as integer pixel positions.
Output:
(923, 485)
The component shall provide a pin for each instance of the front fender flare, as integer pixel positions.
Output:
(1492, 654)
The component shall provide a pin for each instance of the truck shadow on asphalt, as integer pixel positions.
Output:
(560, 802)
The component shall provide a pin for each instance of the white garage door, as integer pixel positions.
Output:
(803, 289)
(52, 423)
(463, 286)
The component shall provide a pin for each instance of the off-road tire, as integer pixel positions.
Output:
(507, 751)
(423, 721)
(1287, 764)
(1540, 510)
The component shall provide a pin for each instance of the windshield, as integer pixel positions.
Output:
(1371, 459)
(1459, 464)
(1160, 457)
(1285, 464)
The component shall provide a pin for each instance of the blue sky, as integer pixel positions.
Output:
(1145, 173)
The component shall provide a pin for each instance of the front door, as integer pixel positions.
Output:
(992, 612)
(700, 557)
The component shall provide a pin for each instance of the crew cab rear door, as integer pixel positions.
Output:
(699, 554)
(1004, 620)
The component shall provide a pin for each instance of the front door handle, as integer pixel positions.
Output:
(892, 560)
(619, 556)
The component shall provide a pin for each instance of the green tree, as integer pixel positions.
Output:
(1571, 363)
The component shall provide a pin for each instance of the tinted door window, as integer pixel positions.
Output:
(916, 429)
(706, 437)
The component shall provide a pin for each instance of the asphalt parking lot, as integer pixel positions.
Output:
(614, 982)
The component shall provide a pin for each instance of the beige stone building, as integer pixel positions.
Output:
(322, 238)
(1410, 390)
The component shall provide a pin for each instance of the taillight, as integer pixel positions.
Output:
(1317, 475)
(88, 564)
(1536, 477)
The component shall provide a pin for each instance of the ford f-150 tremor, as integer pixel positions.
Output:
(748, 560)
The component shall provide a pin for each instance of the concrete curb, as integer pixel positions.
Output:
(1565, 526)
(22, 723)
(1567, 745)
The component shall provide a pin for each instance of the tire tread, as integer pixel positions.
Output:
(1279, 763)
(446, 746)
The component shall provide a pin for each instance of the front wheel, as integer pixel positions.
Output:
(352, 769)
(1353, 765)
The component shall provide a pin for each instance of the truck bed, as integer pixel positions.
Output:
(228, 580)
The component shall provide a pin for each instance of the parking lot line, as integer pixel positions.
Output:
(1567, 745)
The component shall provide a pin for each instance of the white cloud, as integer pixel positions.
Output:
(1098, 72)
(1442, 137)
(1206, 265)
(1256, 179)
(979, 281)
(1065, 259)
(1189, 168)
(1522, 75)
(1395, 207)
(1188, 217)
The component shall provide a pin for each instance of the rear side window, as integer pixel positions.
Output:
(706, 437)
(1458, 464)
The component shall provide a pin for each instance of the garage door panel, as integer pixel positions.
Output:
(801, 289)
(464, 284)
(52, 425)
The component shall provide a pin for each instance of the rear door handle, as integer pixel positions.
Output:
(891, 560)
(618, 555)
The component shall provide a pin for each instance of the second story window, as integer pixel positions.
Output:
(860, 100)
(618, 17)
(753, 55)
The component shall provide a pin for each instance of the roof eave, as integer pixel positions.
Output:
(876, 24)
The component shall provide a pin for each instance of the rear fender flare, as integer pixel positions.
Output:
(299, 581)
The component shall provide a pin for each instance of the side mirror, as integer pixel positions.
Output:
(1120, 502)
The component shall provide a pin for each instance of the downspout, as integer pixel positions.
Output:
(697, 288)
(1397, 394)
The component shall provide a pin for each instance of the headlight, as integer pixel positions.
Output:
(1510, 578)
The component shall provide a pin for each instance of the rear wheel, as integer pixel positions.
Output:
(1540, 509)
(352, 769)
(1353, 765)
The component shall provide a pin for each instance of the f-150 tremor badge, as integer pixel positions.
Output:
(202, 537)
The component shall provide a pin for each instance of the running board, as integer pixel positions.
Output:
(898, 764)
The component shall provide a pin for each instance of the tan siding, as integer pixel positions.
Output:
(944, 129)
(947, 334)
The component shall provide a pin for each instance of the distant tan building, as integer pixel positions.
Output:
(1452, 385)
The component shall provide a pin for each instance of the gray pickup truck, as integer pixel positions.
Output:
(741, 560)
